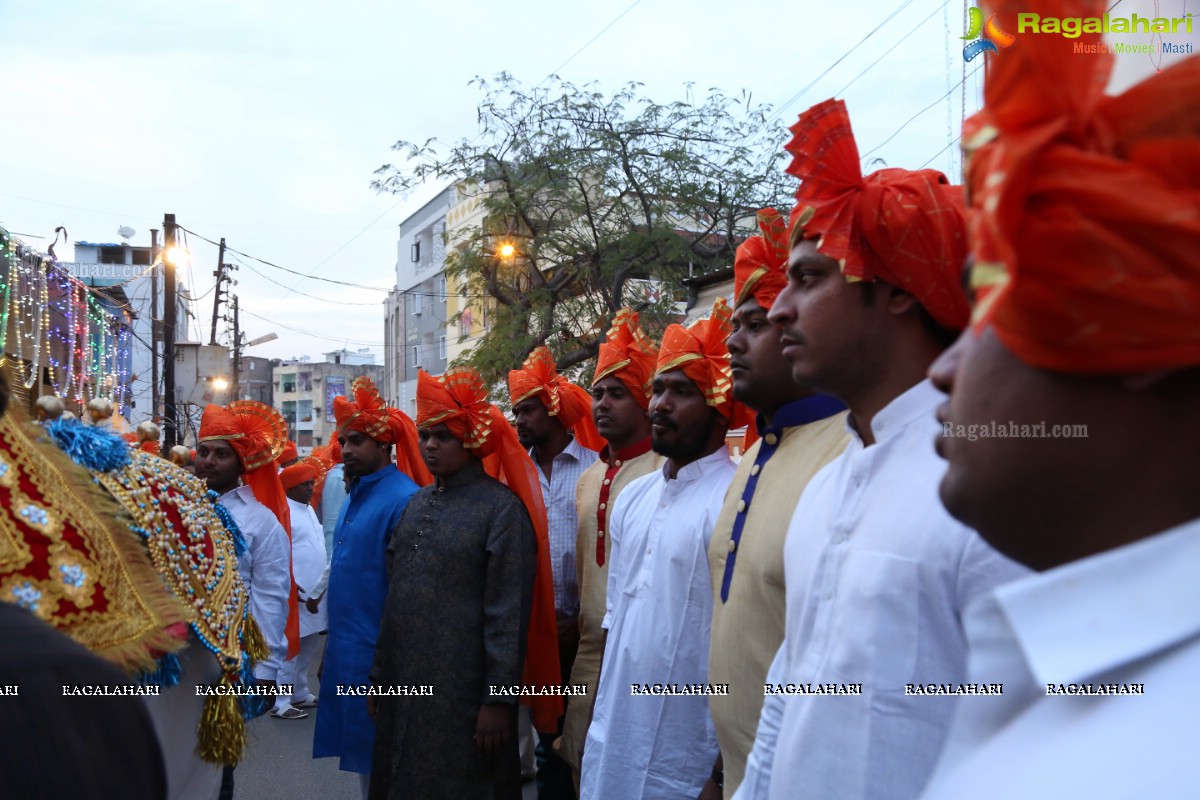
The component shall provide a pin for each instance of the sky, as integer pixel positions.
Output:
(263, 122)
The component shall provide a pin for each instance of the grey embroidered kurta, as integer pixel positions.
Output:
(462, 563)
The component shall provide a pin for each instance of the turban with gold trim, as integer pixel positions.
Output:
(257, 433)
(628, 355)
(700, 351)
(288, 455)
(1087, 226)
(570, 404)
(906, 227)
(310, 468)
(760, 266)
(370, 415)
(458, 399)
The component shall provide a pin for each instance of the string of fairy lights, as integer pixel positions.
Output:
(61, 325)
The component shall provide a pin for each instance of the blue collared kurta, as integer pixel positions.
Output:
(357, 589)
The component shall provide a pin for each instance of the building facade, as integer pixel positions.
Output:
(303, 392)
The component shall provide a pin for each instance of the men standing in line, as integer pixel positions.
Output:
(798, 433)
(547, 409)
(620, 399)
(1085, 349)
(308, 562)
(462, 568)
(379, 492)
(659, 591)
(877, 574)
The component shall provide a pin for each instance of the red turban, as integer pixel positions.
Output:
(370, 415)
(288, 455)
(760, 266)
(311, 468)
(628, 355)
(1087, 229)
(459, 400)
(701, 353)
(903, 226)
(257, 433)
(571, 404)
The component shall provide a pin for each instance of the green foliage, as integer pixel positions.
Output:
(606, 200)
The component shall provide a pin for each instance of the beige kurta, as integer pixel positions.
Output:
(748, 626)
(593, 582)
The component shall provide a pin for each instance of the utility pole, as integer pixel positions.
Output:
(237, 350)
(170, 411)
(155, 325)
(220, 273)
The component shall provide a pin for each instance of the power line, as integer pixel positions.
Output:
(312, 333)
(896, 132)
(589, 42)
(890, 50)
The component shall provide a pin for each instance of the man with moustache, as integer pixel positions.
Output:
(659, 593)
(877, 574)
(379, 492)
(548, 410)
(620, 399)
(798, 433)
(1087, 317)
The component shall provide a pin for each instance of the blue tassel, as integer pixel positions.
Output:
(166, 675)
(94, 448)
(253, 705)
(239, 542)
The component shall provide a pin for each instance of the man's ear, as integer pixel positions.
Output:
(899, 301)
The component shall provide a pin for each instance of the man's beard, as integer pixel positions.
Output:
(687, 445)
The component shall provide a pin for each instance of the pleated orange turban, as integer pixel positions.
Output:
(628, 355)
(257, 433)
(571, 404)
(1087, 225)
(369, 414)
(459, 400)
(288, 454)
(700, 351)
(906, 227)
(760, 266)
(310, 468)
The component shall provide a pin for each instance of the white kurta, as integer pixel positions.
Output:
(265, 569)
(878, 575)
(659, 616)
(176, 714)
(1128, 617)
(308, 562)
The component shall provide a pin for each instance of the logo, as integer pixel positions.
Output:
(989, 37)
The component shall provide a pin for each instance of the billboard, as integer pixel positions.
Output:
(335, 386)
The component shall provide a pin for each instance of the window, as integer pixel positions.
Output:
(442, 348)
(416, 252)
(416, 357)
(252, 366)
(112, 255)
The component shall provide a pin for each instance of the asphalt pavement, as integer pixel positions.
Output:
(279, 763)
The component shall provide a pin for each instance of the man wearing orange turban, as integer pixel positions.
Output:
(620, 399)
(873, 296)
(1071, 431)
(553, 418)
(308, 564)
(358, 581)
(660, 595)
(798, 432)
(470, 580)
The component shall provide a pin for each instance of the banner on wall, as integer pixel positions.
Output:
(334, 387)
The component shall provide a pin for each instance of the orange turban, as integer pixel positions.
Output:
(628, 354)
(701, 353)
(370, 415)
(760, 266)
(288, 455)
(903, 226)
(257, 433)
(571, 404)
(459, 399)
(335, 449)
(306, 469)
(1087, 229)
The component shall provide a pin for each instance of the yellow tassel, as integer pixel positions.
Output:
(221, 737)
(252, 638)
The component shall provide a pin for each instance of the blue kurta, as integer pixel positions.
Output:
(357, 590)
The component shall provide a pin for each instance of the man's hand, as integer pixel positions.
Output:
(491, 727)
(373, 707)
(710, 791)
(312, 604)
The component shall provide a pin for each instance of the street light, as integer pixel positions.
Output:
(507, 250)
(220, 384)
(176, 256)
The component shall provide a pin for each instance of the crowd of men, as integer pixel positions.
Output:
(902, 588)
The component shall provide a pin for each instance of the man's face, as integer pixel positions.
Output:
(618, 416)
(362, 455)
(681, 423)
(1012, 488)
(762, 377)
(442, 451)
(535, 426)
(827, 323)
(302, 492)
(217, 464)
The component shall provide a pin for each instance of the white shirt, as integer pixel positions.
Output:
(559, 494)
(659, 613)
(1129, 616)
(308, 562)
(878, 575)
(265, 569)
